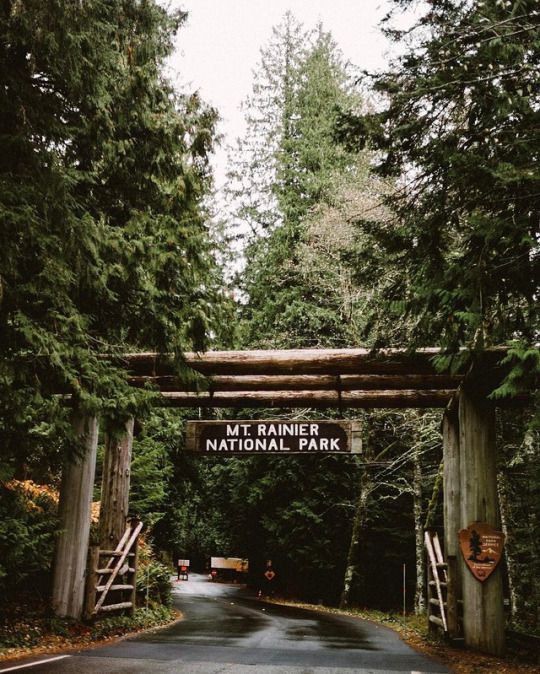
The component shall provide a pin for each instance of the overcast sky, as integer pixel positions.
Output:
(218, 48)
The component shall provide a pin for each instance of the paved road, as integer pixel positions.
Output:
(227, 632)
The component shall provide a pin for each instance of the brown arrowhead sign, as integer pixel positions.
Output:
(482, 548)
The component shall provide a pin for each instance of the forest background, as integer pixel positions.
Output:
(396, 210)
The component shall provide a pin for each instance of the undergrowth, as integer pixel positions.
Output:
(23, 630)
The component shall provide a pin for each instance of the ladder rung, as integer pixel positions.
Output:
(442, 565)
(437, 621)
(101, 588)
(115, 553)
(436, 602)
(103, 572)
(433, 583)
(115, 607)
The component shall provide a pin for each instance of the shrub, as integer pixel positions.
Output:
(153, 579)
(28, 526)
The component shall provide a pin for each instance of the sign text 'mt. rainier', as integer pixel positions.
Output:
(262, 437)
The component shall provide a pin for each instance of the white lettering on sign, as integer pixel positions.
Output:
(235, 429)
(291, 430)
(306, 444)
(253, 436)
(246, 445)
(319, 444)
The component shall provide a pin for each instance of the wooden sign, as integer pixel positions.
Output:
(273, 437)
(482, 548)
(232, 563)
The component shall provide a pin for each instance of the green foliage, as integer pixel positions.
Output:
(519, 497)
(151, 466)
(32, 626)
(523, 362)
(458, 127)
(153, 580)
(309, 277)
(267, 507)
(104, 244)
(144, 618)
(28, 527)
(295, 135)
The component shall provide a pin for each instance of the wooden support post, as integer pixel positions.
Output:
(452, 618)
(452, 513)
(483, 607)
(133, 576)
(431, 592)
(451, 482)
(115, 487)
(91, 582)
(74, 514)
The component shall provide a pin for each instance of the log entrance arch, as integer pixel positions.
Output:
(315, 378)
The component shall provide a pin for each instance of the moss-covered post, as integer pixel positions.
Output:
(115, 487)
(452, 513)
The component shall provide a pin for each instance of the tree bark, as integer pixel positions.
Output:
(298, 361)
(353, 574)
(452, 514)
(451, 483)
(516, 597)
(420, 591)
(75, 514)
(483, 608)
(115, 487)
(306, 382)
(316, 399)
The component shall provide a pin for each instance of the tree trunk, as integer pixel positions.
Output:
(115, 488)
(452, 515)
(516, 597)
(483, 608)
(451, 486)
(420, 592)
(74, 514)
(353, 574)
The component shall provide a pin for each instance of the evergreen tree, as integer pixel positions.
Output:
(303, 165)
(268, 110)
(104, 243)
(459, 130)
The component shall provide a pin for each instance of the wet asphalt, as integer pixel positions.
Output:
(225, 631)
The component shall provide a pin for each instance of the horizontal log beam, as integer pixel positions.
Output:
(300, 361)
(321, 382)
(315, 399)
(297, 361)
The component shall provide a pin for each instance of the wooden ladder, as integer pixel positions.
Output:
(437, 583)
(118, 573)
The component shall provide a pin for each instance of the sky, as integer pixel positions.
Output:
(218, 48)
